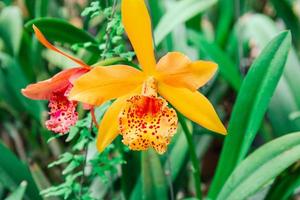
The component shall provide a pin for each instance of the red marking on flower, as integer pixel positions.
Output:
(148, 105)
(144, 123)
(62, 113)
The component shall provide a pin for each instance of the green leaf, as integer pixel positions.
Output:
(41, 8)
(60, 30)
(259, 29)
(284, 187)
(250, 107)
(180, 12)
(156, 11)
(40, 178)
(286, 11)
(18, 194)
(63, 158)
(10, 71)
(261, 167)
(154, 183)
(11, 28)
(226, 18)
(177, 155)
(177, 160)
(226, 66)
(13, 172)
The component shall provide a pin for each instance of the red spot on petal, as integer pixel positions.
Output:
(147, 124)
(62, 113)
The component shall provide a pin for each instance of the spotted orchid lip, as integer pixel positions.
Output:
(147, 122)
(62, 112)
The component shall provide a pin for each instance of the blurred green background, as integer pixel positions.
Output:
(230, 32)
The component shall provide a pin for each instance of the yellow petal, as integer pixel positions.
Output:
(194, 106)
(105, 83)
(137, 24)
(109, 127)
(178, 70)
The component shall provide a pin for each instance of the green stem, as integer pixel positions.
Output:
(109, 61)
(193, 155)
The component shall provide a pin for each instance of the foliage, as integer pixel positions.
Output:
(255, 91)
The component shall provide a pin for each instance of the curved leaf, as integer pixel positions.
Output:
(180, 12)
(226, 66)
(261, 166)
(250, 107)
(284, 187)
(60, 30)
(259, 29)
(11, 28)
(13, 172)
(10, 71)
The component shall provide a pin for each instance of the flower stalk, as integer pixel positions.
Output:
(193, 156)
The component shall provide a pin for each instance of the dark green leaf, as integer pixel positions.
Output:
(13, 172)
(285, 10)
(284, 186)
(11, 71)
(250, 107)
(227, 68)
(260, 29)
(60, 30)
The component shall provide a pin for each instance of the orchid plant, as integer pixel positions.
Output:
(134, 114)
(139, 114)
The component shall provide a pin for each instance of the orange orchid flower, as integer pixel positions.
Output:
(139, 114)
(62, 113)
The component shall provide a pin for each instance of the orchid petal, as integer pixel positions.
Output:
(47, 44)
(105, 83)
(43, 90)
(178, 70)
(109, 127)
(147, 122)
(194, 106)
(137, 24)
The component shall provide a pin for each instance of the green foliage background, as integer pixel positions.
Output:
(256, 92)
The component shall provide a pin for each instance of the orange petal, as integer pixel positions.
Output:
(108, 127)
(194, 106)
(47, 44)
(147, 122)
(105, 83)
(44, 89)
(137, 24)
(178, 70)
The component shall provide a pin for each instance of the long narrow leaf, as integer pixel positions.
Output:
(11, 28)
(260, 29)
(250, 107)
(19, 193)
(180, 12)
(13, 172)
(226, 66)
(261, 166)
(154, 183)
